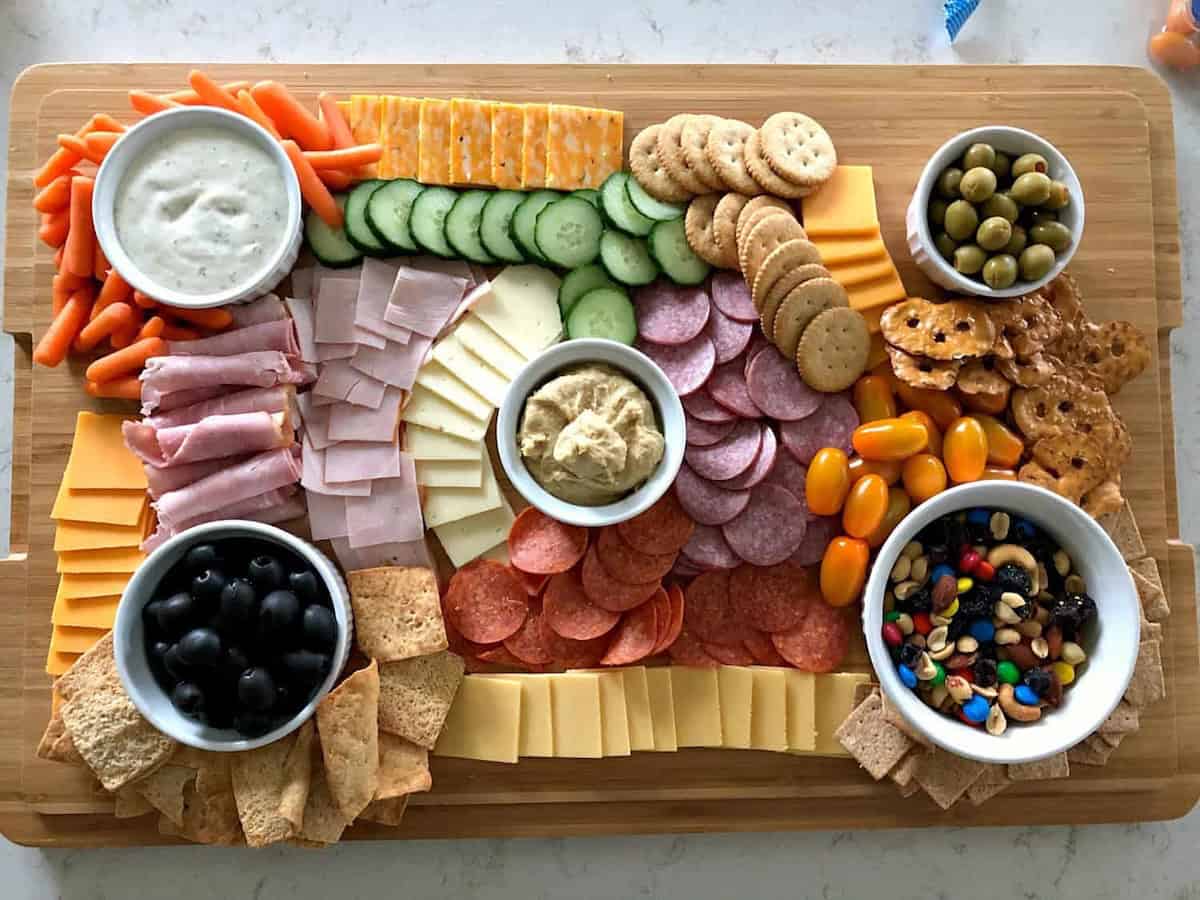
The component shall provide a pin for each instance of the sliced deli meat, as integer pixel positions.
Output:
(277, 335)
(728, 387)
(730, 456)
(729, 654)
(566, 653)
(708, 610)
(635, 637)
(729, 336)
(162, 481)
(819, 643)
(687, 366)
(608, 592)
(668, 314)
(423, 301)
(709, 550)
(705, 501)
(763, 463)
(731, 295)
(675, 624)
(540, 545)
(687, 650)
(705, 434)
(773, 598)
(230, 484)
(527, 644)
(167, 374)
(276, 505)
(624, 563)
(763, 650)
(702, 406)
(166, 402)
(570, 613)
(269, 400)
(268, 307)
(210, 438)
(771, 527)
(830, 426)
(663, 528)
(374, 288)
(789, 475)
(485, 602)
(775, 386)
(821, 530)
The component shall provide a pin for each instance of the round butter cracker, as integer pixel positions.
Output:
(798, 149)
(761, 240)
(786, 256)
(693, 140)
(698, 226)
(725, 219)
(801, 307)
(777, 293)
(670, 153)
(833, 351)
(725, 149)
(762, 173)
(649, 171)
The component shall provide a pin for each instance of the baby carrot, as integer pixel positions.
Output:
(77, 259)
(211, 93)
(214, 318)
(335, 179)
(61, 290)
(79, 145)
(149, 104)
(292, 119)
(124, 336)
(312, 188)
(179, 333)
(349, 157)
(100, 264)
(251, 110)
(125, 361)
(54, 196)
(114, 290)
(153, 327)
(54, 228)
(127, 388)
(99, 143)
(188, 97)
(58, 255)
(339, 129)
(103, 122)
(52, 348)
(143, 301)
(60, 162)
(111, 319)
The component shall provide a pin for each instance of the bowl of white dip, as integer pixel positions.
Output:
(198, 207)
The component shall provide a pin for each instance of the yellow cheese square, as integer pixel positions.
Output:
(537, 724)
(466, 539)
(697, 701)
(484, 721)
(103, 584)
(482, 342)
(508, 122)
(844, 205)
(533, 145)
(836, 251)
(612, 146)
(662, 708)
(433, 166)
(427, 409)
(110, 507)
(881, 293)
(449, 472)
(614, 716)
(835, 700)
(575, 145)
(471, 141)
(116, 559)
(450, 387)
(575, 710)
(96, 535)
(736, 687)
(366, 114)
(400, 133)
(848, 275)
(93, 612)
(99, 459)
(637, 709)
(426, 444)
(69, 639)
(768, 722)
(801, 709)
(58, 663)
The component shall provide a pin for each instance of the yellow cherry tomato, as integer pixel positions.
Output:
(865, 506)
(965, 450)
(942, 406)
(1004, 447)
(924, 477)
(888, 439)
(873, 398)
(827, 482)
(997, 473)
(899, 506)
(992, 404)
(843, 570)
(888, 469)
(934, 443)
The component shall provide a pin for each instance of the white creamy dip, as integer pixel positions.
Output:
(202, 210)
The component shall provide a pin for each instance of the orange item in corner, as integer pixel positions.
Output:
(114, 290)
(188, 97)
(116, 559)
(290, 117)
(152, 327)
(95, 536)
(843, 206)
(59, 163)
(79, 146)
(335, 179)
(99, 143)
(125, 335)
(52, 349)
(91, 613)
(128, 388)
(100, 460)
(400, 137)
(143, 301)
(71, 639)
(179, 333)
(100, 266)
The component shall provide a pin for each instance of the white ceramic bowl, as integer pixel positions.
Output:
(1110, 640)
(642, 371)
(1014, 142)
(129, 644)
(127, 150)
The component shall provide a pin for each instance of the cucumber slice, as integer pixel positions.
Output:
(604, 313)
(581, 281)
(358, 231)
(618, 208)
(652, 207)
(494, 226)
(330, 245)
(669, 247)
(626, 258)
(389, 210)
(524, 221)
(462, 227)
(591, 196)
(428, 220)
(568, 232)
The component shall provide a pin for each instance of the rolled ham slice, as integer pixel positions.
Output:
(163, 481)
(269, 400)
(180, 399)
(164, 375)
(210, 438)
(229, 485)
(267, 308)
(277, 505)
(279, 334)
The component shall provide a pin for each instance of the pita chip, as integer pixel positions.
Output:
(348, 722)
(56, 745)
(164, 790)
(397, 612)
(129, 803)
(323, 820)
(403, 767)
(297, 776)
(386, 812)
(415, 695)
(259, 782)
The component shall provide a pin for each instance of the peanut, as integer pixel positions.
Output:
(1074, 585)
(1039, 648)
(996, 722)
(1005, 613)
(1018, 712)
(1007, 636)
(959, 688)
(967, 644)
(920, 569)
(1062, 562)
(999, 525)
(988, 692)
(936, 639)
(1030, 628)
(1072, 653)
(912, 550)
(904, 588)
(905, 623)
(943, 654)
(901, 569)
(926, 670)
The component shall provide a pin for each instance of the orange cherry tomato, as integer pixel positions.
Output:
(827, 482)
(865, 506)
(899, 506)
(965, 449)
(843, 570)
(992, 404)
(889, 439)
(924, 476)
(888, 469)
(934, 444)
(1004, 447)
(941, 405)
(997, 473)
(873, 398)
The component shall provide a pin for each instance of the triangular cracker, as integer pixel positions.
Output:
(1122, 527)
(165, 788)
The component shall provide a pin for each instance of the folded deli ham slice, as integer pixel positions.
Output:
(269, 400)
(210, 438)
(166, 374)
(423, 301)
(163, 481)
(279, 334)
(229, 485)
(276, 505)
(267, 308)
(179, 399)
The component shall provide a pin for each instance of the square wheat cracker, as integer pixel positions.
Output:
(403, 767)
(993, 780)
(946, 777)
(397, 612)
(875, 743)
(1148, 684)
(1055, 766)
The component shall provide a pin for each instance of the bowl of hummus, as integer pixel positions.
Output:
(591, 432)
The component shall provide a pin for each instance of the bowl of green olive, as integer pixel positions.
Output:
(997, 212)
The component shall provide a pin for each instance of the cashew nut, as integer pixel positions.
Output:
(1014, 553)
(1018, 712)
(1012, 599)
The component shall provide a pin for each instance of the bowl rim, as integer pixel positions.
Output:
(919, 206)
(937, 728)
(117, 162)
(646, 374)
(138, 592)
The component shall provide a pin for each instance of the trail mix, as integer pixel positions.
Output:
(983, 618)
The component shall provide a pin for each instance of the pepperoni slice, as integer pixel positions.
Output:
(569, 612)
(730, 654)
(830, 426)
(819, 643)
(569, 654)
(706, 502)
(731, 295)
(763, 650)
(502, 656)
(704, 434)
(533, 584)
(667, 314)
(702, 406)
(770, 529)
(729, 336)
(608, 593)
(540, 545)
(663, 528)
(776, 598)
(709, 550)
(687, 366)
(662, 618)
(821, 530)
(687, 650)
(485, 602)
(460, 644)
(527, 644)
(728, 387)
(775, 386)
(675, 596)
(624, 563)
(635, 636)
(763, 463)
(730, 456)
(708, 611)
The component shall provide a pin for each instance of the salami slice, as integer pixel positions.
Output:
(709, 550)
(702, 406)
(819, 643)
(729, 654)
(635, 637)
(763, 463)
(624, 563)
(769, 529)
(527, 644)
(485, 602)
(708, 611)
(671, 315)
(789, 475)
(663, 528)
(684, 569)
(569, 654)
(728, 457)
(775, 598)
(763, 650)
(540, 545)
(608, 593)
(729, 336)
(830, 426)
(705, 434)
(571, 614)
(728, 387)
(687, 650)
(821, 530)
(758, 343)
(775, 386)
(704, 501)
(687, 366)
(731, 295)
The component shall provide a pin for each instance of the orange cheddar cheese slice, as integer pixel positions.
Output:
(612, 150)
(508, 123)
(533, 145)
(113, 507)
(399, 135)
(99, 459)
(366, 113)
(877, 293)
(434, 163)
(471, 141)
(93, 612)
(844, 205)
(113, 559)
(69, 639)
(850, 274)
(579, 146)
(58, 663)
(873, 315)
(837, 251)
(98, 535)
(100, 584)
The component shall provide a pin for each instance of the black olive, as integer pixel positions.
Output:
(189, 700)
(202, 556)
(239, 604)
(200, 647)
(285, 699)
(176, 614)
(305, 667)
(320, 628)
(158, 649)
(256, 689)
(252, 724)
(306, 586)
(151, 611)
(279, 615)
(208, 584)
(266, 572)
(174, 664)
(234, 662)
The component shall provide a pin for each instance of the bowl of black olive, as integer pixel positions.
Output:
(229, 634)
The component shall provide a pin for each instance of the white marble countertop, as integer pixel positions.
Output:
(1151, 861)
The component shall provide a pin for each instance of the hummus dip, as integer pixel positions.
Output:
(589, 436)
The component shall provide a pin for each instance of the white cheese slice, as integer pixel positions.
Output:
(441, 381)
(697, 703)
(484, 343)
(480, 377)
(768, 720)
(637, 708)
(444, 505)
(537, 724)
(449, 472)
(484, 721)
(736, 687)
(662, 708)
(801, 709)
(427, 409)
(426, 444)
(475, 536)
(614, 717)
(523, 308)
(575, 711)
(834, 701)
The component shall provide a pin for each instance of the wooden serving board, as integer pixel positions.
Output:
(1114, 124)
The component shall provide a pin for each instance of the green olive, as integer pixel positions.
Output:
(969, 259)
(937, 210)
(1028, 162)
(1038, 215)
(1036, 261)
(961, 220)
(947, 183)
(1000, 271)
(1003, 164)
(1017, 242)
(1054, 235)
(946, 245)
(1060, 196)
(979, 155)
(993, 233)
(1001, 205)
(1030, 189)
(978, 184)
